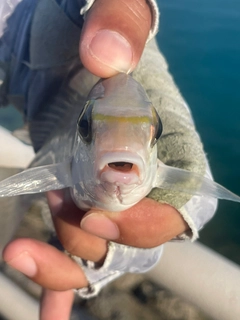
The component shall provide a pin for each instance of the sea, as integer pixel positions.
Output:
(201, 42)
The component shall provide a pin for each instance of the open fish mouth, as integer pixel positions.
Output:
(121, 166)
(120, 169)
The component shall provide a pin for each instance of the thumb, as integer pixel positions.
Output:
(145, 225)
(114, 36)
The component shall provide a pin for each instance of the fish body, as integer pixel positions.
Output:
(104, 149)
(115, 155)
(105, 146)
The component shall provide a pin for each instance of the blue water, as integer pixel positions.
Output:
(201, 41)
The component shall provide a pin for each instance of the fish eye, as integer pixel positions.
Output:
(157, 123)
(84, 123)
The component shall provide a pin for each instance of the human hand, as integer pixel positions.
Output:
(114, 35)
(146, 225)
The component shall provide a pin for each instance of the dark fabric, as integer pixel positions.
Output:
(24, 46)
(17, 33)
(72, 9)
(50, 26)
(4, 71)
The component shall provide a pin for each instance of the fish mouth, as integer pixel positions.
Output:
(121, 166)
(120, 169)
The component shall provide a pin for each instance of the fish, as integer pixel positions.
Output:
(104, 148)
(14, 156)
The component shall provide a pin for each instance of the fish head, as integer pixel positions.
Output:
(115, 160)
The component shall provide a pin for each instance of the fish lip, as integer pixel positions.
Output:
(121, 156)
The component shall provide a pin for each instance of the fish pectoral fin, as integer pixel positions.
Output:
(185, 181)
(38, 179)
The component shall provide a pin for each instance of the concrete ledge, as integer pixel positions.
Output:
(16, 303)
(14, 153)
(202, 277)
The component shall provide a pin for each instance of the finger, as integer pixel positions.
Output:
(44, 264)
(147, 224)
(114, 36)
(56, 304)
(67, 218)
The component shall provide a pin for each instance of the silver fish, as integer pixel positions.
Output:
(106, 152)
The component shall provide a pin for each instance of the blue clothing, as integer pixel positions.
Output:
(25, 37)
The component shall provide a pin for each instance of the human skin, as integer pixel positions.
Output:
(123, 26)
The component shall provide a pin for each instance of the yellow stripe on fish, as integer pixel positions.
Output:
(109, 118)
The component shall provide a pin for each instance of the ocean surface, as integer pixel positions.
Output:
(201, 42)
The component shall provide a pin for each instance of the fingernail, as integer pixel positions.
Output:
(100, 226)
(112, 49)
(25, 264)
